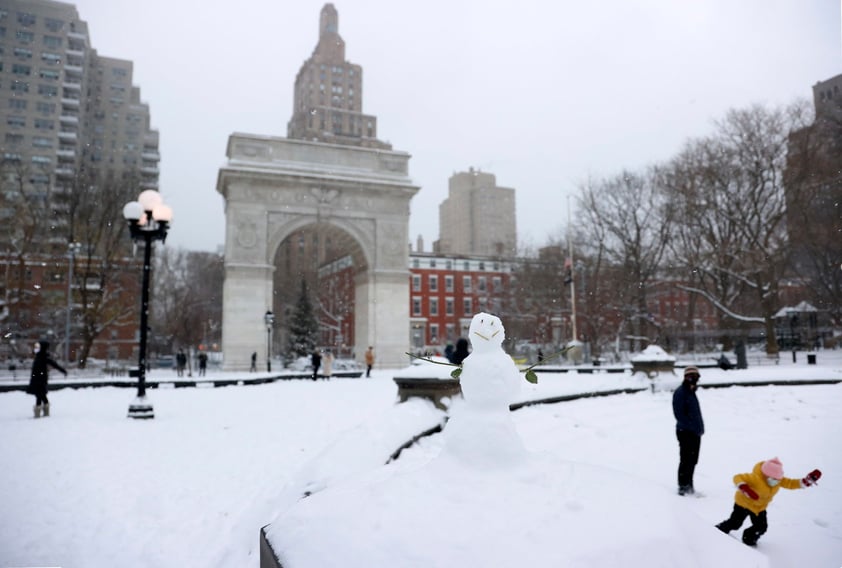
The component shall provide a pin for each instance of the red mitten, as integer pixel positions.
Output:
(811, 478)
(747, 491)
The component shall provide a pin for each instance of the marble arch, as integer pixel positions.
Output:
(274, 186)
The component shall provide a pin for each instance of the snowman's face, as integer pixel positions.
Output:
(486, 332)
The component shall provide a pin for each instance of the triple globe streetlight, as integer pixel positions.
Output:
(149, 219)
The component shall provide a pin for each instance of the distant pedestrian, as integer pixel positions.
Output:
(253, 368)
(689, 428)
(369, 360)
(540, 356)
(461, 351)
(755, 492)
(316, 361)
(327, 364)
(40, 376)
(203, 363)
(180, 362)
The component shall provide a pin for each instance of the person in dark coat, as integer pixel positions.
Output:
(316, 360)
(40, 376)
(461, 351)
(689, 428)
(203, 363)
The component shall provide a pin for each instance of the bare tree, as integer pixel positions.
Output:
(187, 297)
(630, 218)
(101, 277)
(730, 189)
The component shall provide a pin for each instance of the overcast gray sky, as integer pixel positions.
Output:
(541, 93)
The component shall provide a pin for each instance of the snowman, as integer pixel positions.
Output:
(480, 430)
(489, 379)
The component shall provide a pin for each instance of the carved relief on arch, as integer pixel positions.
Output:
(247, 240)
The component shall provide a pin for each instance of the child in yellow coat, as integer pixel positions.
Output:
(755, 492)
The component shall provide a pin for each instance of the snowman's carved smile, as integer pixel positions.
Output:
(486, 338)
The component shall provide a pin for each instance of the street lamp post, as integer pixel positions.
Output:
(148, 220)
(269, 319)
(72, 250)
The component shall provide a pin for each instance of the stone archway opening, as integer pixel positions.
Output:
(275, 187)
(328, 263)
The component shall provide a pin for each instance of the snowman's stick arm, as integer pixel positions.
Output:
(431, 361)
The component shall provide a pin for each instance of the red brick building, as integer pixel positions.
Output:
(34, 306)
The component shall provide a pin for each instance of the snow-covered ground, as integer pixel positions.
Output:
(88, 487)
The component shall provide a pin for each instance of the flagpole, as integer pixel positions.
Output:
(572, 275)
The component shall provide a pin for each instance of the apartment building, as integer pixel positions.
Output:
(65, 109)
(478, 217)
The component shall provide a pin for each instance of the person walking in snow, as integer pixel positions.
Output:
(40, 376)
(253, 368)
(203, 363)
(327, 364)
(180, 362)
(689, 428)
(755, 492)
(316, 361)
(369, 361)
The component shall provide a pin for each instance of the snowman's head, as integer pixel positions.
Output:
(486, 332)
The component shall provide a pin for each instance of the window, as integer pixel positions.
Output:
(448, 306)
(466, 283)
(450, 330)
(434, 333)
(497, 283)
(416, 306)
(466, 265)
(467, 307)
(416, 283)
(50, 57)
(53, 42)
(482, 265)
(434, 283)
(481, 284)
(25, 36)
(448, 283)
(48, 90)
(434, 306)
(16, 121)
(432, 263)
(448, 264)
(20, 86)
(23, 52)
(48, 74)
(41, 160)
(26, 19)
(13, 139)
(43, 124)
(45, 108)
(415, 263)
(41, 142)
(53, 24)
(17, 104)
(19, 69)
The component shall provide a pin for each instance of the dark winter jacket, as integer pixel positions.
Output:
(461, 351)
(40, 371)
(685, 407)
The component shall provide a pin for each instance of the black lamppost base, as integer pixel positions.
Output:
(141, 408)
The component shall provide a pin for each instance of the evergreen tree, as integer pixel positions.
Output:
(303, 327)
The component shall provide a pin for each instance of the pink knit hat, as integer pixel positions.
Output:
(773, 468)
